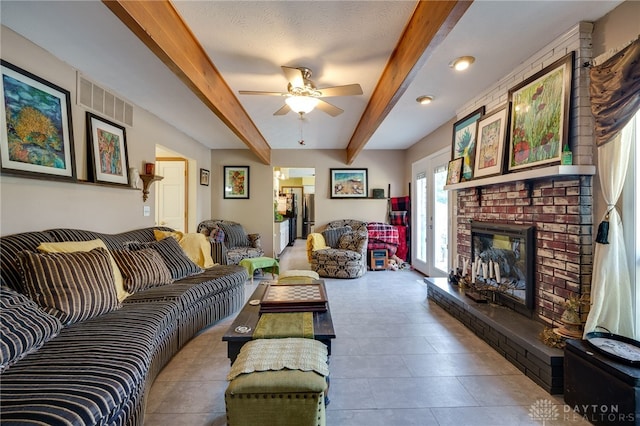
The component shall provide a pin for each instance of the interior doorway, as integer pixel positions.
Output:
(171, 193)
(300, 181)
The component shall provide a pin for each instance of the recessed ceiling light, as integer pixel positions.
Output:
(424, 100)
(462, 63)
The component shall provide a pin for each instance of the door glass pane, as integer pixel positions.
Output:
(421, 219)
(440, 219)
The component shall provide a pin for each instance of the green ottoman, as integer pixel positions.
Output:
(277, 382)
(251, 264)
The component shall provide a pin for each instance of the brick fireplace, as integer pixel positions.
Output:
(560, 209)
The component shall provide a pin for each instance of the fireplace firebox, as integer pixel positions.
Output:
(502, 258)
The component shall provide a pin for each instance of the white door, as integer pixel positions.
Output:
(171, 200)
(431, 215)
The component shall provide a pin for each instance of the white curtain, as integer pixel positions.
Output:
(611, 304)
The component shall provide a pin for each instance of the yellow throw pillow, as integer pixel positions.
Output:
(73, 246)
(195, 245)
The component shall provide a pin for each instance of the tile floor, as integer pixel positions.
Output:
(398, 359)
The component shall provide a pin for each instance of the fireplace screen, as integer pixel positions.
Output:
(503, 258)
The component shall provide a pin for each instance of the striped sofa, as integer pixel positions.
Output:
(98, 371)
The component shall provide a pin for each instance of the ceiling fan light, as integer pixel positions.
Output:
(462, 63)
(302, 104)
(424, 100)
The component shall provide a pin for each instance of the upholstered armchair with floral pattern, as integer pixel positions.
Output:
(229, 241)
(339, 251)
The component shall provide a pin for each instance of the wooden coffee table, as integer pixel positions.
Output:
(241, 331)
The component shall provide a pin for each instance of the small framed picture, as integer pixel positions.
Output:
(464, 141)
(454, 171)
(236, 182)
(36, 139)
(204, 177)
(349, 183)
(108, 162)
(491, 144)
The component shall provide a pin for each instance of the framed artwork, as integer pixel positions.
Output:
(454, 171)
(236, 182)
(540, 109)
(464, 141)
(491, 144)
(349, 183)
(108, 162)
(36, 131)
(204, 177)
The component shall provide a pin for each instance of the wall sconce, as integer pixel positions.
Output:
(147, 179)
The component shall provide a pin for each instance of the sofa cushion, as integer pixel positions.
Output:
(113, 241)
(173, 256)
(332, 235)
(70, 286)
(195, 245)
(9, 248)
(91, 371)
(71, 246)
(234, 234)
(25, 327)
(142, 269)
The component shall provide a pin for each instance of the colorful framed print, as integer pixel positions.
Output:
(540, 109)
(491, 144)
(236, 182)
(454, 171)
(107, 146)
(37, 135)
(349, 183)
(464, 141)
(204, 177)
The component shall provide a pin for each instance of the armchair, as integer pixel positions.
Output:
(229, 241)
(338, 252)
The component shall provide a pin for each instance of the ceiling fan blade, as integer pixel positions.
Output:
(294, 76)
(347, 90)
(332, 110)
(251, 92)
(282, 111)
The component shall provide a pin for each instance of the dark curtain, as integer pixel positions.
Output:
(615, 91)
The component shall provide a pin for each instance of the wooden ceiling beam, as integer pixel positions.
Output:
(162, 29)
(429, 25)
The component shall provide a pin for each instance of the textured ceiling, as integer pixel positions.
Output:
(343, 42)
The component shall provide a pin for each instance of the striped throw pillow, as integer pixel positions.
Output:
(142, 269)
(25, 327)
(72, 287)
(234, 234)
(173, 256)
(332, 235)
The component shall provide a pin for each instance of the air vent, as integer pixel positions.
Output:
(108, 104)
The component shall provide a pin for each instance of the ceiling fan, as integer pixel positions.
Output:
(302, 96)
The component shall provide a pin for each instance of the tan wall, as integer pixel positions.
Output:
(34, 204)
(256, 213)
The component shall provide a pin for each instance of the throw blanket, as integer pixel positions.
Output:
(286, 324)
(279, 354)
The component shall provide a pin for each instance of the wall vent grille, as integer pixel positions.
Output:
(97, 99)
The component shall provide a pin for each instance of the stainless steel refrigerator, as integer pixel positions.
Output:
(308, 215)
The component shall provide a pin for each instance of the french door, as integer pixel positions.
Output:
(431, 215)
